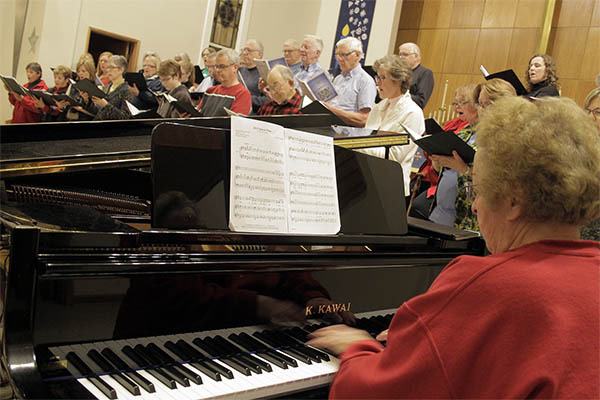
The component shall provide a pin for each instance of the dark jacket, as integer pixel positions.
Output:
(544, 88)
(116, 107)
(422, 85)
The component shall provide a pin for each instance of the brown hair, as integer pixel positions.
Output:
(169, 68)
(62, 70)
(551, 76)
(35, 67)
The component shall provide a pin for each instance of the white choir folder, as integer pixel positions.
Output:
(282, 180)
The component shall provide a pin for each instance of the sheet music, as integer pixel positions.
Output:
(257, 186)
(314, 207)
(282, 180)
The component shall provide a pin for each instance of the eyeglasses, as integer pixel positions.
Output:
(149, 66)
(222, 66)
(111, 67)
(290, 51)
(470, 191)
(403, 54)
(248, 50)
(460, 103)
(379, 78)
(344, 55)
(595, 113)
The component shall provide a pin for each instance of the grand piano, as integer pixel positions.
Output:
(106, 295)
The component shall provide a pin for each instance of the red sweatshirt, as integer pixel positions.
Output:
(521, 324)
(25, 111)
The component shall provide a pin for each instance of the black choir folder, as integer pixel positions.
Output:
(509, 76)
(89, 87)
(137, 79)
(13, 85)
(443, 144)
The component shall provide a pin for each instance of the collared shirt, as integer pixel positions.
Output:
(296, 68)
(356, 90)
(388, 115)
(308, 72)
(291, 106)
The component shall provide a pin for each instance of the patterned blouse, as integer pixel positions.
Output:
(465, 219)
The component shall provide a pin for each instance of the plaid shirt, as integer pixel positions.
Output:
(291, 106)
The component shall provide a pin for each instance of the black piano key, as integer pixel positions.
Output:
(200, 365)
(241, 368)
(264, 336)
(289, 361)
(259, 349)
(294, 344)
(105, 366)
(172, 372)
(163, 378)
(207, 347)
(234, 361)
(258, 363)
(273, 359)
(213, 350)
(308, 350)
(128, 371)
(85, 370)
(165, 358)
(199, 356)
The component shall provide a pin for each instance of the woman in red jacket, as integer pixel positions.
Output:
(24, 106)
(522, 322)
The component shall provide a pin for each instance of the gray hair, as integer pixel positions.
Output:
(317, 41)
(261, 48)
(292, 43)
(232, 55)
(353, 44)
(283, 71)
(119, 61)
(591, 96)
(397, 68)
(413, 47)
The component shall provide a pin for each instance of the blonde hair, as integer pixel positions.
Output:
(104, 53)
(590, 97)
(397, 68)
(466, 93)
(62, 70)
(153, 57)
(88, 65)
(495, 89)
(546, 153)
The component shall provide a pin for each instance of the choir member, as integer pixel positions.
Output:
(169, 73)
(253, 49)
(62, 85)
(592, 105)
(113, 106)
(541, 76)
(285, 99)
(102, 71)
(25, 109)
(355, 88)
(310, 51)
(209, 62)
(187, 70)
(522, 322)
(291, 54)
(422, 77)
(396, 109)
(206, 54)
(228, 63)
(145, 100)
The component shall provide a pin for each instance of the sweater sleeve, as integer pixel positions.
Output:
(408, 367)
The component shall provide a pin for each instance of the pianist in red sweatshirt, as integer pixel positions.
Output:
(522, 322)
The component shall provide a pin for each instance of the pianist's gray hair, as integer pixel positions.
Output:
(317, 41)
(232, 55)
(353, 44)
(397, 69)
(119, 62)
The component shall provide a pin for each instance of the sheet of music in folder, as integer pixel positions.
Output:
(282, 180)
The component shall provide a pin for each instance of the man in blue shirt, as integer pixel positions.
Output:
(355, 87)
(310, 51)
(291, 53)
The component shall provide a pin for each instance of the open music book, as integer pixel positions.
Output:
(89, 87)
(181, 106)
(318, 87)
(443, 144)
(282, 180)
(13, 85)
(137, 79)
(214, 105)
(507, 75)
(264, 66)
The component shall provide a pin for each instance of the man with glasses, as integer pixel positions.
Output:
(355, 87)
(422, 77)
(285, 99)
(210, 61)
(226, 72)
(253, 49)
(291, 53)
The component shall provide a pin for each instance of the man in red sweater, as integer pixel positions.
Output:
(524, 321)
(227, 65)
(25, 109)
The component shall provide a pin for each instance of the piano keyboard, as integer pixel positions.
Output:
(245, 363)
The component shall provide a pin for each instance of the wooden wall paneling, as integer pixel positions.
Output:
(568, 87)
(530, 13)
(493, 47)
(574, 13)
(433, 44)
(567, 49)
(583, 88)
(436, 14)
(499, 13)
(410, 14)
(467, 14)
(460, 51)
(406, 35)
(590, 66)
(596, 15)
(523, 45)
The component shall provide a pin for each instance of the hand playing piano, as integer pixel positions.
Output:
(337, 338)
(382, 337)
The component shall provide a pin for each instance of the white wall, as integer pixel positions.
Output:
(7, 37)
(274, 21)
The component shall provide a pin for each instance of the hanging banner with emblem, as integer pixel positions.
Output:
(356, 18)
